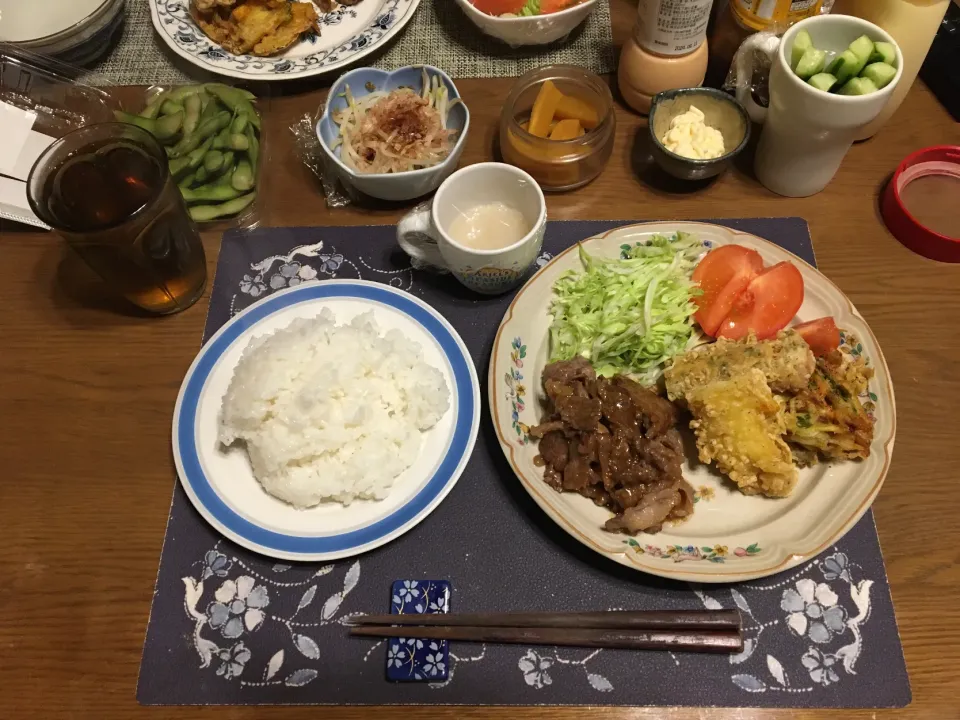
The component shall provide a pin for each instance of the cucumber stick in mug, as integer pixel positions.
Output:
(823, 81)
(884, 52)
(880, 73)
(801, 43)
(858, 86)
(845, 66)
(810, 63)
(862, 68)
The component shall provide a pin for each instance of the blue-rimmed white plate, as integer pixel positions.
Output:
(347, 34)
(220, 482)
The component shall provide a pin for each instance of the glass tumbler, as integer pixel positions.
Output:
(106, 188)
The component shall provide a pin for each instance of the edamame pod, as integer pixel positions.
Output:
(203, 131)
(169, 107)
(181, 93)
(253, 152)
(148, 124)
(191, 118)
(242, 178)
(169, 125)
(206, 213)
(229, 160)
(238, 141)
(213, 162)
(152, 109)
(211, 192)
(223, 139)
(236, 100)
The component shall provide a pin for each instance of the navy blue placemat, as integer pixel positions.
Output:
(231, 627)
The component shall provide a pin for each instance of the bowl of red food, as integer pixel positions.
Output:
(527, 22)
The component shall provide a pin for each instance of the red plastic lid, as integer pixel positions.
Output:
(921, 204)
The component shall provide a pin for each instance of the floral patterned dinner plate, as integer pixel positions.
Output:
(731, 536)
(347, 35)
(220, 482)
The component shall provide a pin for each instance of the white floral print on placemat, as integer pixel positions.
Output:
(535, 667)
(306, 263)
(239, 607)
(813, 610)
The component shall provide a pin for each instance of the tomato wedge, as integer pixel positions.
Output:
(498, 7)
(552, 6)
(822, 335)
(723, 274)
(766, 306)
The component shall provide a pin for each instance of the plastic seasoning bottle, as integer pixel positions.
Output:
(913, 24)
(743, 18)
(667, 50)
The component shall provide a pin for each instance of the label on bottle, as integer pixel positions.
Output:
(672, 27)
(774, 15)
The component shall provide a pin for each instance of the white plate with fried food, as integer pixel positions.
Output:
(783, 452)
(278, 39)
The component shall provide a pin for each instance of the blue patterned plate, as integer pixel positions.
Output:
(221, 484)
(347, 35)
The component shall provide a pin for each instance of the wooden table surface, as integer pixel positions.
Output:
(88, 391)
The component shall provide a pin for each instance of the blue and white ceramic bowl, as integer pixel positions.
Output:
(392, 186)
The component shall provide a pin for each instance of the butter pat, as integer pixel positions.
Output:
(692, 138)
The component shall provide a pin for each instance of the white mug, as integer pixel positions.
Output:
(746, 65)
(423, 233)
(807, 131)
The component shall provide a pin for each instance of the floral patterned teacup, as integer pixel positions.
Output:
(424, 232)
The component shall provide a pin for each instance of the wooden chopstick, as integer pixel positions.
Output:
(674, 640)
(689, 620)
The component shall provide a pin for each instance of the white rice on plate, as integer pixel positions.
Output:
(331, 412)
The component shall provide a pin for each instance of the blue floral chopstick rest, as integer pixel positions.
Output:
(420, 659)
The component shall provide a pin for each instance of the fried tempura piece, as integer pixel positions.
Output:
(785, 361)
(303, 17)
(826, 419)
(256, 20)
(216, 25)
(260, 27)
(738, 424)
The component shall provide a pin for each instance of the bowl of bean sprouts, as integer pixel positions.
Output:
(394, 135)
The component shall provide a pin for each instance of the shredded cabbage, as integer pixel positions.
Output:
(630, 314)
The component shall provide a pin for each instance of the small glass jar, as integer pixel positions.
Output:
(558, 165)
